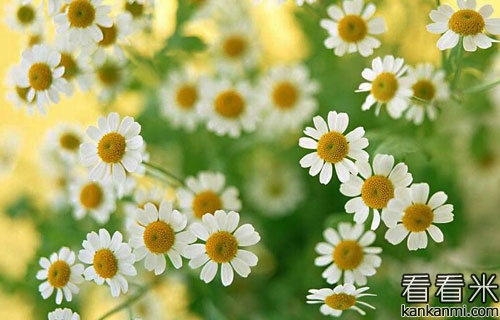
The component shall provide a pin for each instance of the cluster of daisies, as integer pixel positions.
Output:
(87, 49)
(203, 225)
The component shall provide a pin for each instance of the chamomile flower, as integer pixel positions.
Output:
(109, 76)
(352, 29)
(286, 97)
(347, 253)
(140, 13)
(222, 242)
(373, 190)
(18, 95)
(115, 149)
(386, 86)
(56, 6)
(113, 37)
(65, 139)
(76, 65)
(142, 195)
(429, 87)
(81, 20)
(466, 23)
(229, 108)
(41, 75)
(61, 274)
(342, 297)
(412, 212)
(207, 193)
(333, 148)
(110, 260)
(94, 198)
(24, 16)
(159, 232)
(63, 314)
(180, 97)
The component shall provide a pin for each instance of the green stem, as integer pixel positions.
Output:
(483, 87)
(438, 2)
(163, 171)
(458, 64)
(311, 9)
(125, 304)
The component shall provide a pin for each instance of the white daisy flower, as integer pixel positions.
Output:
(56, 6)
(65, 140)
(62, 274)
(116, 148)
(287, 98)
(113, 37)
(207, 193)
(94, 198)
(466, 23)
(24, 16)
(18, 95)
(159, 232)
(109, 76)
(412, 212)
(229, 109)
(140, 12)
(373, 191)
(110, 260)
(180, 97)
(430, 87)
(81, 20)
(41, 74)
(333, 148)
(153, 194)
(222, 246)
(342, 297)
(351, 29)
(63, 314)
(347, 253)
(386, 86)
(76, 66)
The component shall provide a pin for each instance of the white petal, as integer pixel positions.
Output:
(397, 234)
(227, 274)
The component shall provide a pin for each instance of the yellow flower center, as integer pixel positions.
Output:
(34, 39)
(275, 188)
(109, 36)
(159, 237)
(105, 263)
(377, 191)
(384, 86)
(340, 301)
(135, 9)
(229, 104)
(332, 147)
(91, 195)
(348, 255)
(59, 274)
(81, 13)
(40, 76)
(424, 89)
(234, 46)
(418, 217)
(206, 202)
(109, 74)
(466, 22)
(111, 147)
(352, 28)
(285, 95)
(26, 14)
(221, 247)
(70, 66)
(69, 141)
(22, 93)
(186, 96)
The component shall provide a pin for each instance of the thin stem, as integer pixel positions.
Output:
(311, 9)
(125, 304)
(163, 171)
(458, 71)
(417, 99)
(483, 87)
(438, 2)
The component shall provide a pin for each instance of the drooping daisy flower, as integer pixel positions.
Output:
(412, 212)
(207, 193)
(76, 65)
(153, 194)
(180, 97)
(115, 148)
(351, 29)
(41, 75)
(18, 95)
(229, 109)
(342, 297)
(92, 197)
(373, 191)
(333, 148)
(113, 37)
(61, 274)
(467, 23)
(222, 246)
(65, 140)
(286, 98)
(109, 76)
(110, 260)
(24, 16)
(429, 87)
(81, 20)
(159, 232)
(348, 254)
(386, 86)
(63, 314)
